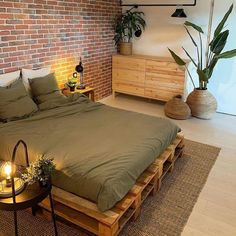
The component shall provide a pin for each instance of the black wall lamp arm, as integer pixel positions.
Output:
(161, 5)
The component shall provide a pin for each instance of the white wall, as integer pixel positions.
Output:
(163, 31)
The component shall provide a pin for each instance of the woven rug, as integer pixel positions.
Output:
(164, 214)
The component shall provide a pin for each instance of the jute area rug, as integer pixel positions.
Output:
(164, 214)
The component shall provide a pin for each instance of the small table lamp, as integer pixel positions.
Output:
(10, 184)
(7, 170)
(80, 69)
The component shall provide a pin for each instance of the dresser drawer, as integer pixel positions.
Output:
(175, 83)
(159, 94)
(128, 87)
(128, 75)
(163, 67)
(128, 63)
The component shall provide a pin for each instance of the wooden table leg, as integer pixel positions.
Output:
(53, 215)
(92, 96)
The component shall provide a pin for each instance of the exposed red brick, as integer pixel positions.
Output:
(37, 33)
(9, 49)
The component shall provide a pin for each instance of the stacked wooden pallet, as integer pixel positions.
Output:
(85, 214)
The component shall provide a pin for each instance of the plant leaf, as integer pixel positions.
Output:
(177, 59)
(194, 42)
(223, 21)
(218, 43)
(202, 75)
(209, 70)
(190, 57)
(201, 50)
(196, 27)
(228, 54)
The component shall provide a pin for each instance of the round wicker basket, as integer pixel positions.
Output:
(177, 109)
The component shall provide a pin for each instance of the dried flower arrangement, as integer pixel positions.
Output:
(39, 170)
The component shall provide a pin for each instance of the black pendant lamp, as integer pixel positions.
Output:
(179, 12)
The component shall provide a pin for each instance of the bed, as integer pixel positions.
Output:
(99, 151)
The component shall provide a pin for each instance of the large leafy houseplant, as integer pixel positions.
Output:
(128, 25)
(213, 54)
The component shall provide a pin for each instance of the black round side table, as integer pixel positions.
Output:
(29, 198)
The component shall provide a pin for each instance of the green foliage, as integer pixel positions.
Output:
(177, 59)
(127, 24)
(219, 42)
(216, 46)
(190, 57)
(228, 54)
(220, 27)
(196, 27)
(40, 170)
(71, 82)
(210, 68)
(193, 41)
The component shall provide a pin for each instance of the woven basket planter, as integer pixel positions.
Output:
(177, 109)
(202, 103)
(126, 48)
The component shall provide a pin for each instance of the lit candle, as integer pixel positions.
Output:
(8, 171)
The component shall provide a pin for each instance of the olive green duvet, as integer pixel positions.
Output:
(99, 151)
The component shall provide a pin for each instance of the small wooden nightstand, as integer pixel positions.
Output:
(88, 91)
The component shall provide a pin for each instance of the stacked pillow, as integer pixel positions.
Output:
(9, 78)
(15, 93)
(46, 92)
(31, 74)
(15, 102)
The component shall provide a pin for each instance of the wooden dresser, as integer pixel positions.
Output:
(145, 76)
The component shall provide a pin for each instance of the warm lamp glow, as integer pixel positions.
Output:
(11, 184)
(63, 68)
(8, 170)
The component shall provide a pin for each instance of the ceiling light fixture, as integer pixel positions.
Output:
(179, 12)
(160, 5)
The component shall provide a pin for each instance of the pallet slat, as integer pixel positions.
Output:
(137, 189)
(125, 203)
(145, 178)
(153, 168)
(83, 205)
(73, 216)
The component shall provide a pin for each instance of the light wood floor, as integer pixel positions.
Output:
(215, 212)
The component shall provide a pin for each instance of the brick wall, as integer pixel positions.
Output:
(37, 33)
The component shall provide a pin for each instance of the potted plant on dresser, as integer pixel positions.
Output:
(201, 102)
(128, 25)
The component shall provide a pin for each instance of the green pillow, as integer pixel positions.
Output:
(43, 85)
(45, 89)
(15, 102)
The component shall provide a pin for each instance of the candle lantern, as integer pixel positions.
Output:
(10, 182)
(7, 172)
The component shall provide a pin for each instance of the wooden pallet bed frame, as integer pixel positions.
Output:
(85, 213)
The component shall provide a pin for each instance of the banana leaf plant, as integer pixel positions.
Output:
(215, 51)
(129, 24)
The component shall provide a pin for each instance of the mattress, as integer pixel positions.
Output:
(99, 151)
